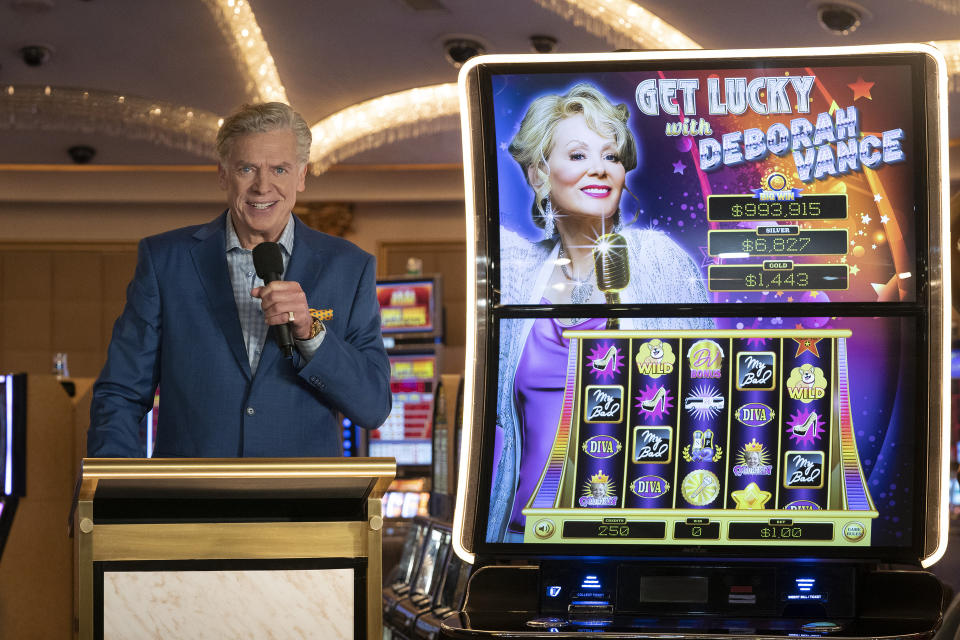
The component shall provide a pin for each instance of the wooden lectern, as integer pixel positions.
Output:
(235, 547)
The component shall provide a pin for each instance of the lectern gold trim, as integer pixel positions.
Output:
(350, 528)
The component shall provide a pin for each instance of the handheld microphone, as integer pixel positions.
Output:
(268, 261)
(612, 264)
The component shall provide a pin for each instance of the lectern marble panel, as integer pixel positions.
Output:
(228, 604)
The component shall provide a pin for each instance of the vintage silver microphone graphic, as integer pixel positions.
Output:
(613, 269)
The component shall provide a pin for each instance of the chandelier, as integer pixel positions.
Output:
(46, 108)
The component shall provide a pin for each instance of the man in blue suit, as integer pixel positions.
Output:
(198, 321)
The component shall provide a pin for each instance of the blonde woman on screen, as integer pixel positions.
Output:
(575, 150)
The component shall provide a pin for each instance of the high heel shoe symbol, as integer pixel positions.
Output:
(601, 363)
(657, 399)
(801, 429)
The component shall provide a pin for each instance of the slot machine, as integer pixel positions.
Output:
(13, 459)
(401, 577)
(447, 600)
(446, 445)
(420, 599)
(411, 321)
(707, 389)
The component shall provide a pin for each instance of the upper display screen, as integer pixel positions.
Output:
(777, 184)
(406, 305)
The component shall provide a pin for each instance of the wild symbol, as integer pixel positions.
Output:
(807, 383)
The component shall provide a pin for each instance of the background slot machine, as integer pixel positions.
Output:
(707, 384)
(412, 325)
(13, 459)
(447, 425)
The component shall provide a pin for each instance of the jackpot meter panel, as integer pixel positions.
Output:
(792, 242)
(705, 437)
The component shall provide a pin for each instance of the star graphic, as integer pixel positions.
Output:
(854, 269)
(707, 259)
(861, 233)
(843, 259)
(873, 246)
(861, 88)
(779, 294)
(752, 497)
(865, 219)
(877, 197)
(790, 299)
(807, 344)
(678, 167)
(884, 219)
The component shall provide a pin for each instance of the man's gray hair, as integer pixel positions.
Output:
(263, 118)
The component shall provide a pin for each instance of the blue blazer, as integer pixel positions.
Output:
(180, 329)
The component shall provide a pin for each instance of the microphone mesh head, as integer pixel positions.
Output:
(612, 262)
(267, 259)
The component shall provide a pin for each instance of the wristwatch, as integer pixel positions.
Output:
(315, 329)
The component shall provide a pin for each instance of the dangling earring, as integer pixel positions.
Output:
(549, 222)
(618, 225)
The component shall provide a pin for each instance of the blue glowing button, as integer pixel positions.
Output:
(821, 627)
(806, 584)
(551, 623)
(553, 591)
(590, 582)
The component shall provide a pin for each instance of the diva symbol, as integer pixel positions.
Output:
(807, 383)
(655, 358)
(601, 446)
(649, 487)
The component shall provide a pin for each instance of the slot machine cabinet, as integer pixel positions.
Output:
(401, 576)
(446, 443)
(448, 599)
(13, 431)
(420, 599)
(411, 314)
(707, 390)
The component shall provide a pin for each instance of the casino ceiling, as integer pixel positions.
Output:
(115, 82)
